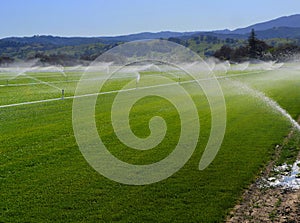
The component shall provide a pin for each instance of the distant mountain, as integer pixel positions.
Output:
(279, 32)
(75, 41)
(275, 32)
(59, 41)
(292, 21)
(149, 35)
(283, 27)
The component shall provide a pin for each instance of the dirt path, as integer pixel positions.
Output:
(265, 204)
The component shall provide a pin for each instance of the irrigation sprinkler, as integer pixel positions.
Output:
(137, 79)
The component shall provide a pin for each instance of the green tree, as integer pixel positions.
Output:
(257, 48)
(224, 53)
(252, 44)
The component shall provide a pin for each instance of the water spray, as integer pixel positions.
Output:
(268, 101)
(137, 79)
(61, 69)
(46, 83)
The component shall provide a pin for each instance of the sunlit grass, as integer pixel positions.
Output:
(44, 177)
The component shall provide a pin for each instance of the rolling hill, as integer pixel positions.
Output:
(292, 21)
(277, 31)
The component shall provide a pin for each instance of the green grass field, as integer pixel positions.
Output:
(45, 178)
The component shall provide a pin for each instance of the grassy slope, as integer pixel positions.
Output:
(45, 178)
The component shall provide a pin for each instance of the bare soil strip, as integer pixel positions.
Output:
(265, 204)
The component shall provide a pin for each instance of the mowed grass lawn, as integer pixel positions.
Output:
(44, 177)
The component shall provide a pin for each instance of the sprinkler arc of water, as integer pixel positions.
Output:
(268, 101)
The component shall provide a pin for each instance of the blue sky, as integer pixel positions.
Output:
(114, 17)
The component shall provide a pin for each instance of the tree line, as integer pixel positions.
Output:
(233, 50)
(256, 49)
